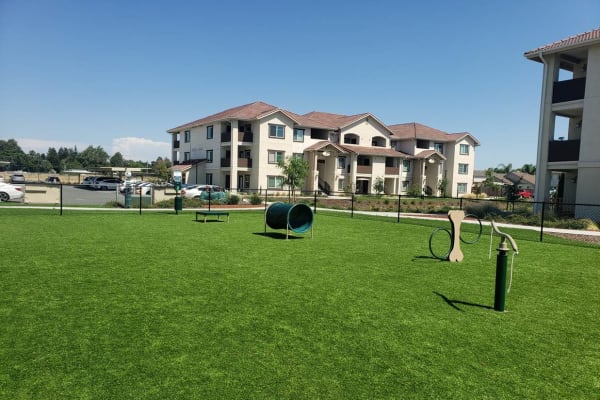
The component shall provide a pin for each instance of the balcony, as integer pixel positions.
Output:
(569, 90)
(242, 162)
(563, 150)
(364, 169)
(242, 137)
(175, 144)
(392, 170)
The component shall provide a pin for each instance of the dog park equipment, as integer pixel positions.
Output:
(501, 259)
(454, 253)
(295, 217)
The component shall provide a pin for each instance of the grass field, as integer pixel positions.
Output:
(105, 305)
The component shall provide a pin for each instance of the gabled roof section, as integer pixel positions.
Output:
(414, 130)
(375, 151)
(252, 111)
(337, 121)
(324, 144)
(583, 39)
(428, 153)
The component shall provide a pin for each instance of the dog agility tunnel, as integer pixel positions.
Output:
(296, 217)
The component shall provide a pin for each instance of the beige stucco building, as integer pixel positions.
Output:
(239, 149)
(571, 92)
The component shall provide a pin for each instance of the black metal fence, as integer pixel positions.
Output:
(539, 217)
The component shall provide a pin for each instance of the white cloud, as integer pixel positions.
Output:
(140, 149)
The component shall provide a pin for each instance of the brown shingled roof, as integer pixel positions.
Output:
(250, 111)
(586, 38)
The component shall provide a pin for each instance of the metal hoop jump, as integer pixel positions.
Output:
(437, 254)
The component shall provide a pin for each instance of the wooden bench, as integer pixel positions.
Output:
(207, 214)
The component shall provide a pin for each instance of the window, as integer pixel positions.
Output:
(186, 136)
(439, 147)
(405, 185)
(186, 156)
(341, 162)
(244, 153)
(274, 182)
(209, 156)
(464, 149)
(209, 132)
(298, 135)
(463, 169)
(461, 188)
(275, 156)
(341, 184)
(406, 165)
(209, 179)
(277, 131)
(422, 144)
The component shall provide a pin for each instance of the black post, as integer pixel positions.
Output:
(141, 190)
(209, 196)
(542, 224)
(460, 205)
(399, 202)
(352, 207)
(315, 203)
(61, 198)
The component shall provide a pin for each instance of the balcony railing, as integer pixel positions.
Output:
(175, 144)
(563, 150)
(242, 162)
(364, 169)
(392, 170)
(569, 90)
(242, 137)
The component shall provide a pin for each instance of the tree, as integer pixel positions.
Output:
(379, 185)
(443, 186)
(295, 170)
(117, 160)
(11, 152)
(93, 157)
(161, 168)
(503, 168)
(528, 169)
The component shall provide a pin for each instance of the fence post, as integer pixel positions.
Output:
(399, 203)
(352, 207)
(542, 224)
(61, 198)
(460, 203)
(315, 202)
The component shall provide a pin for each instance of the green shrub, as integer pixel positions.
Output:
(255, 199)
(233, 199)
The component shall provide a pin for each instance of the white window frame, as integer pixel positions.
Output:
(406, 165)
(275, 181)
(187, 136)
(298, 135)
(209, 156)
(275, 156)
(276, 131)
(439, 147)
(186, 156)
(341, 162)
(461, 187)
(463, 169)
(210, 131)
(464, 149)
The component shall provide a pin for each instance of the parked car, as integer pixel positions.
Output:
(10, 192)
(17, 178)
(52, 179)
(198, 190)
(88, 182)
(107, 183)
(524, 194)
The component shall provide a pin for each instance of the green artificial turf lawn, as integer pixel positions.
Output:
(157, 306)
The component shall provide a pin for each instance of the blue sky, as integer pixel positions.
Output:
(118, 74)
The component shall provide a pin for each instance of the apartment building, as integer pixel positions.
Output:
(569, 131)
(239, 149)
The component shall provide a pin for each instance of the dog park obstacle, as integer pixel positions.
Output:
(297, 218)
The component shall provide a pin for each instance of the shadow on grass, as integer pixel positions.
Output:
(417, 258)
(453, 303)
(276, 235)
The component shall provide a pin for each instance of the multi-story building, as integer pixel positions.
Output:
(569, 131)
(240, 149)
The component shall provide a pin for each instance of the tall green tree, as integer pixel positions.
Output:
(503, 168)
(379, 185)
(161, 168)
(117, 160)
(295, 170)
(93, 157)
(11, 152)
(528, 169)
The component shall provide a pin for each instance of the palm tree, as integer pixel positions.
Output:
(528, 169)
(503, 168)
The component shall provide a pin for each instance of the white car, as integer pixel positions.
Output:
(10, 192)
(196, 190)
